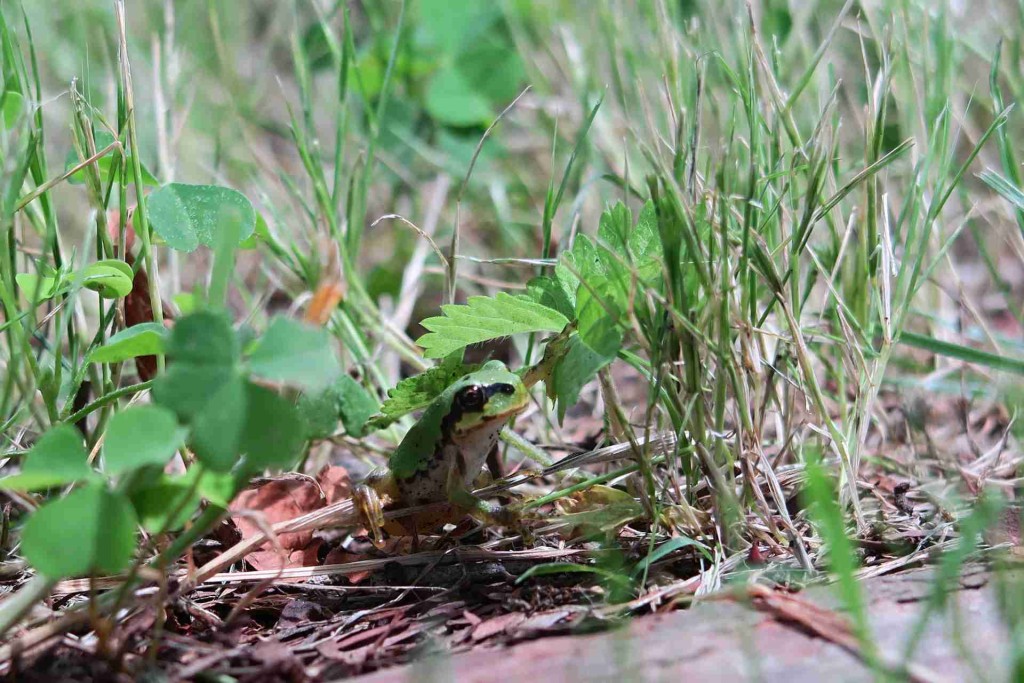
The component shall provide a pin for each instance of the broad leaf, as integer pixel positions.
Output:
(12, 104)
(217, 428)
(452, 100)
(169, 502)
(48, 286)
(145, 339)
(139, 436)
(273, 433)
(296, 354)
(186, 216)
(483, 319)
(58, 458)
(111, 278)
(91, 530)
(204, 338)
(355, 405)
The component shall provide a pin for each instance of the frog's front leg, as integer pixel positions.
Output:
(489, 513)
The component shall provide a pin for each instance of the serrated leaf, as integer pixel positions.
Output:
(58, 458)
(91, 530)
(140, 436)
(297, 354)
(186, 216)
(145, 339)
(416, 392)
(482, 319)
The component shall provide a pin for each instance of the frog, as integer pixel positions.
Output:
(444, 452)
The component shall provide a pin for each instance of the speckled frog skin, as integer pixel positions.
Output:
(446, 449)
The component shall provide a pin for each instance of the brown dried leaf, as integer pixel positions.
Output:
(279, 500)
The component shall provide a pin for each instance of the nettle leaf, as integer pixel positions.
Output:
(111, 278)
(91, 530)
(186, 216)
(139, 436)
(416, 392)
(58, 458)
(105, 163)
(297, 354)
(145, 339)
(482, 319)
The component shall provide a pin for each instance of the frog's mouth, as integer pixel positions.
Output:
(494, 420)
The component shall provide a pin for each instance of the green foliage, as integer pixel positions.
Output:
(144, 339)
(110, 278)
(58, 458)
(105, 164)
(140, 436)
(293, 353)
(12, 105)
(355, 405)
(91, 530)
(187, 216)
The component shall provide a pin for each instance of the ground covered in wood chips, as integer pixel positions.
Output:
(328, 604)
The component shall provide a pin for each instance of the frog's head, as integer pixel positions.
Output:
(488, 398)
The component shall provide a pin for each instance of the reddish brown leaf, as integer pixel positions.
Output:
(276, 501)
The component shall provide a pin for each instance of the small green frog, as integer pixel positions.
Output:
(446, 449)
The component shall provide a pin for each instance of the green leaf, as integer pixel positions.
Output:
(103, 139)
(139, 436)
(91, 530)
(12, 104)
(204, 338)
(579, 365)
(319, 412)
(273, 434)
(112, 278)
(451, 24)
(296, 354)
(558, 568)
(144, 339)
(667, 548)
(218, 426)
(58, 458)
(483, 319)
(168, 495)
(48, 288)
(416, 392)
(492, 68)
(355, 405)
(452, 100)
(186, 216)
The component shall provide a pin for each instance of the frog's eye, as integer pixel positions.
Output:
(472, 398)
